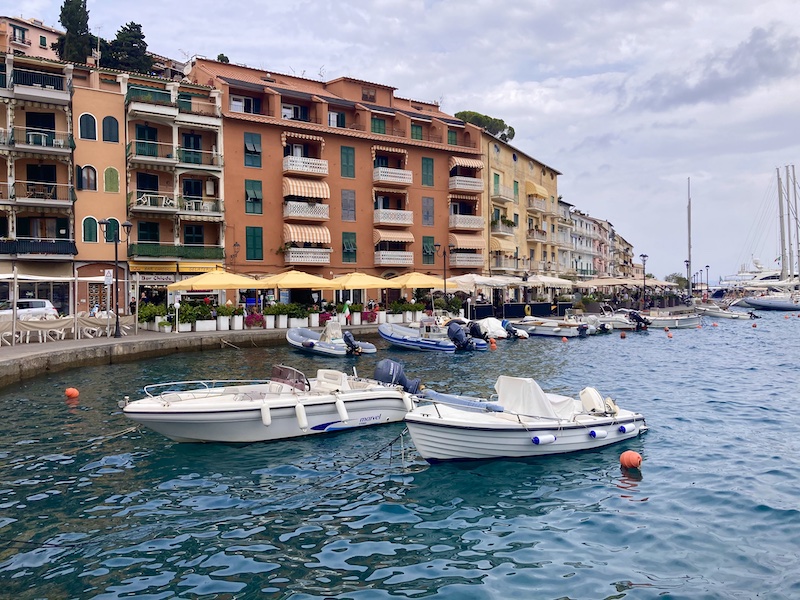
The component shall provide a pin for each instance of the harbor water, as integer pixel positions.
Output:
(90, 508)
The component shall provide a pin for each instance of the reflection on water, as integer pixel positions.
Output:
(93, 509)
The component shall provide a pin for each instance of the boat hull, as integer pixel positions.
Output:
(787, 302)
(308, 340)
(676, 322)
(415, 339)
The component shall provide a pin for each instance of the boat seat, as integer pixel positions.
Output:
(276, 388)
(592, 401)
(330, 379)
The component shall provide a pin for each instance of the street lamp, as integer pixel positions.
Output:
(236, 248)
(707, 286)
(688, 281)
(644, 276)
(444, 253)
(107, 227)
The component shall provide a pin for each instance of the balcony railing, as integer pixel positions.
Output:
(197, 204)
(55, 247)
(504, 262)
(198, 157)
(3, 190)
(18, 39)
(464, 260)
(536, 235)
(306, 210)
(393, 257)
(503, 229)
(147, 200)
(305, 165)
(157, 250)
(307, 256)
(466, 222)
(151, 151)
(149, 96)
(466, 184)
(195, 106)
(43, 191)
(536, 204)
(39, 79)
(60, 141)
(504, 193)
(385, 216)
(390, 176)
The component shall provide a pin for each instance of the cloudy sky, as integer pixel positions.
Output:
(628, 99)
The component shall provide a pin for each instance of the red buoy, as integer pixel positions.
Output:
(71, 392)
(564, 339)
(630, 459)
(622, 335)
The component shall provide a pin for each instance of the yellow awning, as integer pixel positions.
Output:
(467, 241)
(161, 267)
(503, 245)
(302, 136)
(535, 189)
(312, 234)
(390, 235)
(388, 149)
(199, 267)
(305, 188)
(470, 163)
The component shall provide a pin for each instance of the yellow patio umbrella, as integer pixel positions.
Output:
(416, 280)
(214, 280)
(362, 281)
(296, 280)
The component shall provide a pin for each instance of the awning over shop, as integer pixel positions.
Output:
(199, 267)
(502, 245)
(534, 189)
(305, 188)
(311, 234)
(390, 235)
(153, 267)
(470, 163)
(467, 241)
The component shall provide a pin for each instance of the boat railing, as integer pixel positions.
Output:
(159, 389)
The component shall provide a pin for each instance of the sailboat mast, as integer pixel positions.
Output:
(689, 229)
(796, 223)
(789, 222)
(782, 225)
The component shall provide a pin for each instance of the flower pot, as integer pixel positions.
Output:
(355, 318)
(313, 320)
(298, 322)
(394, 318)
(282, 321)
(341, 318)
(165, 327)
(205, 325)
(408, 316)
(237, 322)
(182, 327)
(223, 323)
(381, 316)
(270, 321)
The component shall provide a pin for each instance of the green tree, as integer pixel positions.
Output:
(497, 127)
(128, 51)
(75, 45)
(222, 58)
(681, 280)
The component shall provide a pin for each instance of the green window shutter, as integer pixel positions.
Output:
(87, 127)
(90, 229)
(428, 250)
(416, 132)
(378, 125)
(254, 244)
(111, 180)
(452, 137)
(253, 197)
(348, 161)
(349, 254)
(427, 171)
(78, 178)
(110, 129)
(340, 119)
(516, 190)
(496, 182)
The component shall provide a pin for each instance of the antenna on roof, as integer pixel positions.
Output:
(322, 72)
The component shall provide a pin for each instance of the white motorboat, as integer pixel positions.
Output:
(775, 301)
(715, 311)
(519, 421)
(674, 321)
(285, 406)
(331, 341)
(623, 319)
(552, 327)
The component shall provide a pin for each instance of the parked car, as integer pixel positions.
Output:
(30, 306)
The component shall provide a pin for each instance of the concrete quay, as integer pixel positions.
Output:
(25, 361)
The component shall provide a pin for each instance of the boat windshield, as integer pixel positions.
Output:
(289, 376)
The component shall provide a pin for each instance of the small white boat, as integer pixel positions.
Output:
(552, 327)
(519, 421)
(285, 406)
(623, 319)
(715, 311)
(431, 337)
(330, 341)
(676, 321)
(775, 301)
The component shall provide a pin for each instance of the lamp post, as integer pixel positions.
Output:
(644, 276)
(106, 226)
(236, 248)
(444, 253)
(688, 281)
(708, 287)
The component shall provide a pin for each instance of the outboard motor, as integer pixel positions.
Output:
(753, 315)
(583, 330)
(459, 337)
(639, 320)
(475, 330)
(391, 372)
(511, 330)
(352, 345)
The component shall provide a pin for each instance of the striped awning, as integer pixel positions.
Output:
(390, 235)
(305, 188)
(470, 163)
(302, 136)
(502, 245)
(452, 197)
(467, 241)
(536, 190)
(311, 234)
(378, 190)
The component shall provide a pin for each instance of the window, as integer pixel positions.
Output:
(416, 132)
(516, 191)
(381, 161)
(252, 149)
(368, 94)
(86, 178)
(378, 125)
(336, 119)
(243, 104)
(516, 220)
(253, 243)
(452, 137)
(427, 211)
(190, 150)
(17, 33)
(193, 235)
(294, 112)
(87, 127)
(43, 43)
(90, 229)
(496, 183)
(110, 129)
(111, 180)
(112, 230)
(348, 161)
(253, 196)
(348, 205)
(428, 250)
(348, 247)
(427, 171)
(148, 232)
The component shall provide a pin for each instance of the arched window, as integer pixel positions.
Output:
(88, 127)
(90, 229)
(111, 229)
(86, 178)
(110, 129)
(111, 180)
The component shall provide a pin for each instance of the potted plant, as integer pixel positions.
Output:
(313, 316)
(281, 316)
(297, 314)
(254, 321)
(147, 314)
(186, 317)
(205, 321)
(237, 318)
(224, 314)
(395, 314)
(355, 313)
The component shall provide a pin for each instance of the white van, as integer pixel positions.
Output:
(30, 306)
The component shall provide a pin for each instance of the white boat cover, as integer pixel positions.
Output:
(493, 328)
(523, 395)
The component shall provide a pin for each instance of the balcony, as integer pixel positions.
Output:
(147, 103)
(199, 159)
(537, 204)
(194, 112)
(195, 205)
(4, 191)
(154, 202)
(393, 258)
(59, 249)
(18, 40)
(460, 260)
(307, 256)
(40, 86)
(39, 193)
(303, 165)
(385, 216)
(392, 177)
(504, 229)
(467, 185)
(536, 235)
(503, 194)
(158, 250)
(6, 139)
(151, 154)
(41, 141)
(473, 222)
(310, 211)
(504, 263)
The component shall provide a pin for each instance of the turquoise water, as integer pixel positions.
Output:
(89, 512)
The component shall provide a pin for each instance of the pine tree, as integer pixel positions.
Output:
(75, 44)
(128, 51)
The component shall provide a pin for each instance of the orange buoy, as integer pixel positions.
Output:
(785, 316)
(669, 335)
(714, 325)
(754, 325)
(622, 335)
(630, 459)
(699, 326)
(71, 392)
(564, 339)
(666, 328)
(492, 344)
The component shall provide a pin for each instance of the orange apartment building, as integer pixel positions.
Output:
(332, 177)
(28, 37)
